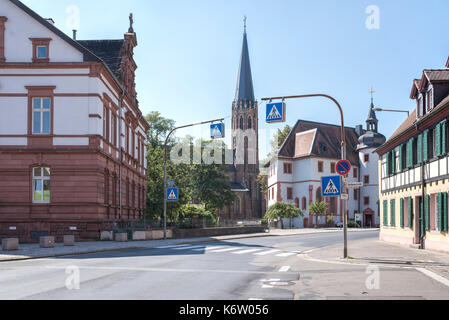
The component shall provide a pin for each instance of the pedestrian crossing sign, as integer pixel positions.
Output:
(276, 112)
(217, 131)
(331, 186)
(172, 194)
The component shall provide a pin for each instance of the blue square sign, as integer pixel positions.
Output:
(172, 194)
(331, 186)
(275, 112)
(217, 131)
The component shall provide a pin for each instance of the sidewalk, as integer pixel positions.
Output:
(376, 252)
(33, 251)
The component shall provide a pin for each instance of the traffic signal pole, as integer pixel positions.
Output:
(343, 156)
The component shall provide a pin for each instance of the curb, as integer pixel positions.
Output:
(186, 242)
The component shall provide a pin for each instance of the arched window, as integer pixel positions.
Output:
(241, 123)
(319, 196)
(237, 206)
(304, 203)
(250, 123)
(297, 202)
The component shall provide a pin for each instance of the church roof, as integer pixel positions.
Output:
(245, 89)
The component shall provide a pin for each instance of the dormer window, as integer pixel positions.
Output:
(41, 49)
(430, 100)
(421, 109)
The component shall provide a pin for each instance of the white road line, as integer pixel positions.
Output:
(246, 251)
(207, 248)
(255, 299)
(284, 269)
(267, 252)
(226, 250)
(171, 247)
(187, 248)
(286, 254)
(434, 276)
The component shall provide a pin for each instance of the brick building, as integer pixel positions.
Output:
(72, 137)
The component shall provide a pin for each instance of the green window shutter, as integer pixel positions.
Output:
(385, 215)
(443, 137)
(445, 217)
(400, 159)
(388, 163)
(420, 150)
(410, 213)
(402, 213)
(393, 161)
(393, 213)
(438, 140)
(426, 145)
(427, 212)
(440, 212)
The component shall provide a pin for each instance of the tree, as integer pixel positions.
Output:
(159, 128)
(262, 180)
(318, 209)
(283, 210)
(278, 139)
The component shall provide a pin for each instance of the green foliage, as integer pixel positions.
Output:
(262, 180)
(318, 208)
(283, 210)
(279, 138)
(330, 221)
(191, 212)
(159, 128)
(352, 224)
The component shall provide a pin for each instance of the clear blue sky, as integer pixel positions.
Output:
(189, 51)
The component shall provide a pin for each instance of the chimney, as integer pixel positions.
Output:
(50, 20)
(359, 130)
(74, 34)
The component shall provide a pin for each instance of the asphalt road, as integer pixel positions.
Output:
(269, 268)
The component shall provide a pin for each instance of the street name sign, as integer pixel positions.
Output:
(343, 167)
(276, 112)
(345, 196)
(172, 194)
(354, 185)
(217, 131)
(331, 186)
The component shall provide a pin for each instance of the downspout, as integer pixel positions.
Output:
(423, 186)
(120, 151)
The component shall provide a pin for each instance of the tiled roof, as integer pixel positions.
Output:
(437, 75)
(109, 51)
(304, 143)
(326, 142)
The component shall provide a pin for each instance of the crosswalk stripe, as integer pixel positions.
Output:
(187, 248)
(207, 248)
(246, 251)
(226, 250)
(267, 252)
(286, 254)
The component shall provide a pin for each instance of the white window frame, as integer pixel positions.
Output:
(37, 52)
(42, 177)
(42, 111)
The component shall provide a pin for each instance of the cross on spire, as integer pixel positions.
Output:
(371, 91)
(244, 22)
(131, 22)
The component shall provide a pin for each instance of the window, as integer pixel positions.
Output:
(41, 185)
(356, 194)
(105, 126)
(430, 99)
(41, 49)
(288, 168)
(366, 180)
(304, 203)
(320, 166)
(319, 196)
(333, 167)
(297, 202)
(366, 158)
(366, 201)
(114, 130)
(250, 123)
(241, 123)
(355, 173)
(289, 193)
(41, 115)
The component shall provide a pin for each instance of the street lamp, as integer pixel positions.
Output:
(343, 154)
(391, 110)
(165, 166)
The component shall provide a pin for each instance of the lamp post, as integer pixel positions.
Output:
(165, 166)
(343, 155)
(392, 110)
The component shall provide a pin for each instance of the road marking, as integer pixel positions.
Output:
(208, 248)
(434, 276)
(226, 250)
(267, 252)
(188, 248)
(284, 269)
(246, 251)
(286, 254)
(254, 299)
(171, 247)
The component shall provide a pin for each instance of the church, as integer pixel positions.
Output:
(250, 203)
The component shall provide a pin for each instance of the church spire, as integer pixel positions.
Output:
(245, 90)
(372, 122)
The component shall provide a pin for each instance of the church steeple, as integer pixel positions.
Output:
(372, 122)
(245, 89)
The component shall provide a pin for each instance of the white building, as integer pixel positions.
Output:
(310, 152)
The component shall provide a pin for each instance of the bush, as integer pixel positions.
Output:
(352, 224)
(330, 221)
(283, 210)
(187, 215)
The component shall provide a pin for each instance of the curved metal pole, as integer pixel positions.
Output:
(343, 153)
(165, 166)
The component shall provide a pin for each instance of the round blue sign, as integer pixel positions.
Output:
(343, 167)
